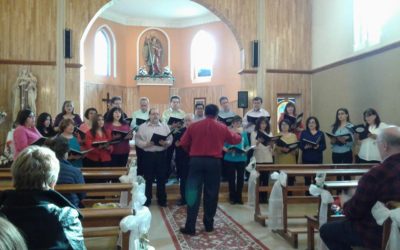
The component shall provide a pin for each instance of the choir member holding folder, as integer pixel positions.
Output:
(66, 128)
(296, 124)
(182, 158)
(138, 118)
(26, 133)
(225, 115)
(175, 112)
(154, 138)
(263, 141)
(312, 144)
(67, 113)
(342, 137)
(249, 120)
(44, 125)
(98, 138)
(235, 159)
(285, 153)
(89, 115)
(121, 134)
(366, 135)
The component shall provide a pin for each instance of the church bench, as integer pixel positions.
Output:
(388, 223)
(312, 221)
(83, 169)
(91, 189)
(87, 174)
(292, 235)
(105, 223)
(302, 170)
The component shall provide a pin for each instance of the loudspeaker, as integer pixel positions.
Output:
(243, 99)
(67, 43)
(255, 53)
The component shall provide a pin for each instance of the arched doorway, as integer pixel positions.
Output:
(195, 91)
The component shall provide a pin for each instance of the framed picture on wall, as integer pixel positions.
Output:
(196, 100)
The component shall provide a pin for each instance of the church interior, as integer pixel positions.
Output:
(319, 55)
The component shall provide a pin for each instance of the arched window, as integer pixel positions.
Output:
(104, 52)
(202, 53)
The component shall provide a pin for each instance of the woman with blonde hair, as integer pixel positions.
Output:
(44, 216)
(10, 237)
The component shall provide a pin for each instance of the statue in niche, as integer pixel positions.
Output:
(153, 52)
(25, 92)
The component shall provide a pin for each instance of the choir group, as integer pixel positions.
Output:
(103, 140)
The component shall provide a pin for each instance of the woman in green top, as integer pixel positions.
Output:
(235, 161)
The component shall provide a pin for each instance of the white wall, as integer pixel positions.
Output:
(332, 31)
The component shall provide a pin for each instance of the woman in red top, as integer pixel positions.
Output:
(101, 155)
(290, 112)
(119, 130)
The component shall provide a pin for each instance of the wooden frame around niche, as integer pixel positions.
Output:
(201, 100)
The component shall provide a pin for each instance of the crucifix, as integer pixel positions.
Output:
(107, 100)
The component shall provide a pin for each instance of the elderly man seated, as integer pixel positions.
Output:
(381, 183)
(45, 217)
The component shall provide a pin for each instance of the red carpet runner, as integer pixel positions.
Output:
(228, 234)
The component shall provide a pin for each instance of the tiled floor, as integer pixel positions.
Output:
(160, 238)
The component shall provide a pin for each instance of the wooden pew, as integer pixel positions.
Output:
(84, 169)
(289, 234)
(87, 174)
(312, 221)
(286, 167)
(105, 223)
(91, 189)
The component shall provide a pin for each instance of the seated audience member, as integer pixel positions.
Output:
(26, 133)
(44, 125)
(235, 162)
(10, 237)
(68, 173)
(101, 155)
(67, 113)
(381, 183)
(90, 113)
(45, 217)
(67, 131)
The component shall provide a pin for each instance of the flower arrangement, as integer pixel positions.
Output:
(6, 159)
(3, 116)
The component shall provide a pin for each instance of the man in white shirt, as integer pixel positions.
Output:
(256, 112)
(138, 117)
(154, 157)
(199, 112)
(173, 111)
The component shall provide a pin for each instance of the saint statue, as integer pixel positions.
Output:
(152, 52)
(24, 92)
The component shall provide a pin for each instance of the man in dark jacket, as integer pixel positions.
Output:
(45, 217)
(68, 173)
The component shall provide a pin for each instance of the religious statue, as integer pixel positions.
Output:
(24, 92)
(152, 52)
